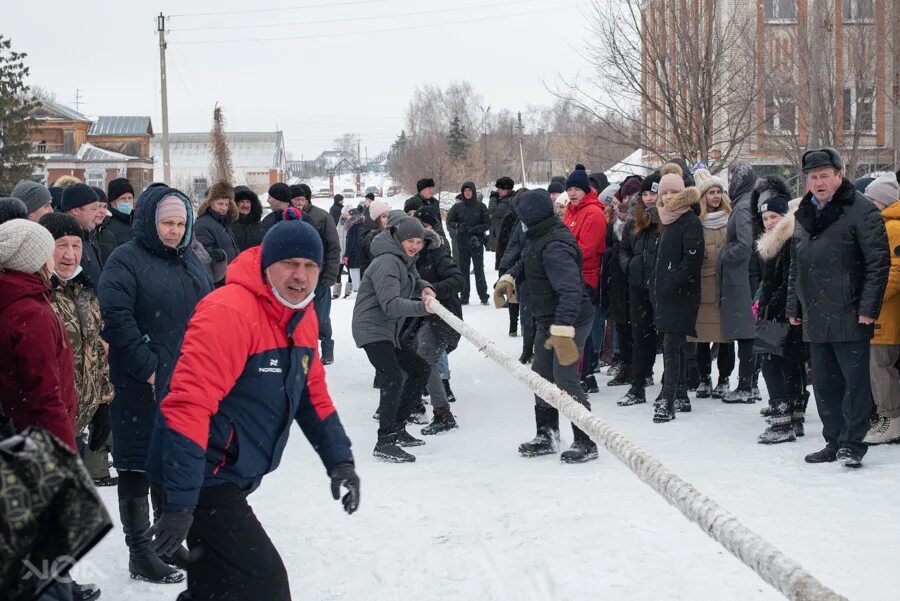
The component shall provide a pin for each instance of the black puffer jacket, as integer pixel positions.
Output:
(637, 254)
(247, 230)
(367, 232)
(469, 219)
(437, 267)
(840, 267)
(499, 208)
(614, 281)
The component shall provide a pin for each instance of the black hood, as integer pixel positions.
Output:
(245, 193)
(534, 207)
(470, 186)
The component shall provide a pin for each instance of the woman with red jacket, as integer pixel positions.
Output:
(37, 376)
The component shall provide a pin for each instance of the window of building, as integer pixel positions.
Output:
(781, 11)
(781, 113)
(69, 142)
(95, 177)
(859, 10)
(859, 114)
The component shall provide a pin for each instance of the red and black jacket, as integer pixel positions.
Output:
(248, 367)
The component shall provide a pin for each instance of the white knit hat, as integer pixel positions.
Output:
(378, 208)
(24, 246)
(704, 180)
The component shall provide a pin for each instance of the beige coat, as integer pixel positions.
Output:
(709, 319)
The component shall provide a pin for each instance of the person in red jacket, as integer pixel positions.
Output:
(585, 218)
(225, 421)
(37, 373)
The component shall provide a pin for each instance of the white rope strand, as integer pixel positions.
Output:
(769, 562)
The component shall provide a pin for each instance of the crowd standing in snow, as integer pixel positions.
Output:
(175, 341)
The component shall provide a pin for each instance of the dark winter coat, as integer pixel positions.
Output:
(213, 231)
(247, 230)
(514, 249)
(637, 254)
(147, 296)
(37, 373)
(470, 220)
(335, 211)
(551, 264)
(504, 235)
(327, 229)
(736, 294)
(91, 264)
(775, 249)
(437, 267)
(764, 188)
(386, 295)
(269, 220)
(498, 208)
(367, 232)
(840, 267)
(353, 242)
(119, 224)
(614, 287)
(104, 240)
(679, 262)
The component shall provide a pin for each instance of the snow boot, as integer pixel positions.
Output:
(622, 377)
(664, 408)
(143, 563)
(583, 448)
(704, 389)
(884, 430)
(405, 439)
(739, 396)
(721, 389)
(614, 368)
(826, 455)
(634, 396)
(682, 401)
(418, 415)
(849, 458)
(526, 356)
(450, 396)
(589, 384)
(386, 448)
(84, 592)
(443, 422)
(780, 428)
(546, 442)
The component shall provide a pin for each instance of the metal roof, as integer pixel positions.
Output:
(120, 126)
(89, 152)
(249, 150)
(65, 113)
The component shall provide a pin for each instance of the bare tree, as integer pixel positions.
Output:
(222, 170)
(347, 143)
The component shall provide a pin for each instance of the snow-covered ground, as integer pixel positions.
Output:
(471, 520)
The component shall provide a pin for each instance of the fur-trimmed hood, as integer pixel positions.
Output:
(232, 214)
(772, 185)
(772, 241)
(684, 199)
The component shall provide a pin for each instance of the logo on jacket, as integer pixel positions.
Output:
(304, 362)
(272, 369)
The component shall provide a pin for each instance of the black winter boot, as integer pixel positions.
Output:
(622, 377)
(546, 441)
(386, 448)
(634, 396)
(143, 563)
(721, 388)
(583, 448)
(526, 356)
(682, 401)
(405, 439)
(780, 428)
(83, 592)
(443, 422)
(450, 396)
(704, 389)
(589, 384)
(798, 417)
(664, 408)
(418, 415)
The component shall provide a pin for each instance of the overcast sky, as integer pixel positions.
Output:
(351, 66)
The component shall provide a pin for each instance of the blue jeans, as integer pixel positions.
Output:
(322, 300)
(443, 366)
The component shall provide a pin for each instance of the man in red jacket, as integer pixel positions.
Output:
(585, 218)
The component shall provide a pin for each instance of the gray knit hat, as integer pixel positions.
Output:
(33, 194)
(409, 227)
(24, 246)
(884, 189)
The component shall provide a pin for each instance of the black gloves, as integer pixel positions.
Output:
(344, 475)
(170, 530)
(100, 428)
(218, 255)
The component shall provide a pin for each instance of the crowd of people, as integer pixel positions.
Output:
(185, 343)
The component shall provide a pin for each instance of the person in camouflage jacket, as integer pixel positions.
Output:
(75, 303)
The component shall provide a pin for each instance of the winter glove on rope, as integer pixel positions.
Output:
(170, 530)
(344, 475)
(562, 340)
(505, 291)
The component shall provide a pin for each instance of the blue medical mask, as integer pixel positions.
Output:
(124, 207)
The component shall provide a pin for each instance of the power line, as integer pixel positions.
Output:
(271, 10)
(347, 20)
(383, 30)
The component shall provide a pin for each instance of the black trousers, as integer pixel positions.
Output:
(785, 380)
(724, 360)
(843, 392)
(675, 362)
(471, 253)
(626, 346)
(232, 557)
(403, 376)
(643, 332)
(513, 317)
(746, 364)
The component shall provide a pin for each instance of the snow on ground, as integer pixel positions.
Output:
(471, 520)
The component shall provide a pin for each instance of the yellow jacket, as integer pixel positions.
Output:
(887, 328)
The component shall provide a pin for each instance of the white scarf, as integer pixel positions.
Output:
(715, 221)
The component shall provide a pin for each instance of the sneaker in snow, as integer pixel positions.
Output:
(826, 455)
(721, 389)
(450, 396)
(580, 452)
(387, 449)
(704, 390)
(545, 443)
(621, 378)
(634, 396)
(87, 592)
(884, 430)
(443, 422)
(405, 439)
(589, 384)
(849, 458)
(739, 396)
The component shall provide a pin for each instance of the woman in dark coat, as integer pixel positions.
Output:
(247, 230)
(507, 225)
(676, 286)
(353, 244)
(637, 258)
(614, 292)
(147, 293)
(213, 228)
(785, 374)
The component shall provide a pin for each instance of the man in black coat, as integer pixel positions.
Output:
(551, 264)
(279, 200)
(247, 230)
(499, 206)
(336, 209)
(81, 202)
(120, 195)
(836, 286)
(300, 197)
(470, 220)
(424, 199)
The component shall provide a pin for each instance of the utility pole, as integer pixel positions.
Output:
(78, 102)
(520, 127)
(163, 90)
(484, 120)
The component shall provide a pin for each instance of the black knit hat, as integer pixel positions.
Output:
(413, 203)
(427, 217)
(100, 193)
(61, 224)
(118, 187)
(776, 204)
(505, 183)
(651, 182)
(423, 183)
(555, 188)
(598, 181)
(12, 208)
(281, 192)
(77, 196)
(579, 179)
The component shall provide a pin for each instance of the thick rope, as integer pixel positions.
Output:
(769, 562)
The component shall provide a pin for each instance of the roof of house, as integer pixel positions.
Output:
(47, 109)
(121, 126)
(248, 150)
(87, 152)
